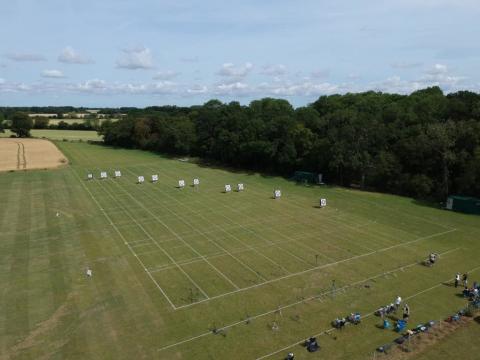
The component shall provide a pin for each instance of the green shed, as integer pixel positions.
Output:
(465, 204)
(307, 177)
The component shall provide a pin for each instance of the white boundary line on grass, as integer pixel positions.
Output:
(308, 299)
(313, 269)
(124, 240)
(367, 315)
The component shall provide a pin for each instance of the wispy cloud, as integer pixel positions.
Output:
(70, 56)
(55, 74)
(240, 71)
(136, 58)
(274, 70)
(406, 65)
(25, 57)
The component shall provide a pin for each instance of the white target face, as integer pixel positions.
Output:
(240, 187)
(323, 202)
(181, 183)
(154, 178)
(228, 188)
(89, 176)
(103, 175)
(277, 194)
(196, 182)
(141, 179)
(118, 173)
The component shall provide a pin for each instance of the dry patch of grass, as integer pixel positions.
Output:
(25, 154)
(425, 341)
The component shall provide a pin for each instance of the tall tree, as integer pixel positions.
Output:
(21, 124)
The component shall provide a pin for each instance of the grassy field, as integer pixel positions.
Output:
(75, 121)
(200, 274)
(84, 135)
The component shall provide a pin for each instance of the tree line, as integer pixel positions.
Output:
(425, 144)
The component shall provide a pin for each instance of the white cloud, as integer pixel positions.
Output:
(438, 75)
(52, 74)
(306, 88)
(162, 87)
(230, 70)
(197, 89)
(138, 58)
(438, 69)
(70, 56)
(237, 88)
(93, 85)
(274, 70)
(25, 57)
(166, 75)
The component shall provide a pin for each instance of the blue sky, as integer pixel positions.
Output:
(141, 53)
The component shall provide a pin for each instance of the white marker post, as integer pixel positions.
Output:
(118, 173)
(323, 202)
(228, 188)
(141, 180)
(89, 176)
(103, 175)
(181, 184)
(154, 178)
(277, 194)
(240, 187)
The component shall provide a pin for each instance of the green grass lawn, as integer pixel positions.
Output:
(84, 135)
(171, 265)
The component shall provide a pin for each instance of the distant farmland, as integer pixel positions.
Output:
(84, 135)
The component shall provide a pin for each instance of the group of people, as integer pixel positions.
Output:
(473, 292)
(464, 280)
(393, 308)
(353, 318)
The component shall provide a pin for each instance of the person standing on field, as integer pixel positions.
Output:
(465, 280)
(457, 279)
(398, 302)
(406, 312)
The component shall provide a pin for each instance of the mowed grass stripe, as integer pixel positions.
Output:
(10, 191)
(17, 325)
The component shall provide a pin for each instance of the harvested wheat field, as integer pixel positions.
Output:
(25, 154)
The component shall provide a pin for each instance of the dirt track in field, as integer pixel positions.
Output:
(26, 154)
